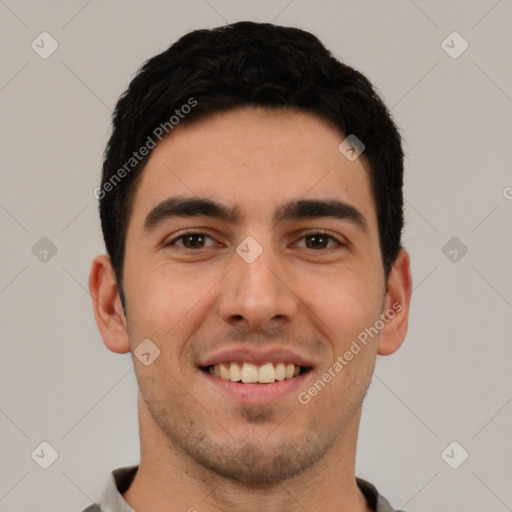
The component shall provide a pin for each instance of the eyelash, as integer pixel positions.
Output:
(321, 233)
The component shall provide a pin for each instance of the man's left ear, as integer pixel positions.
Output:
(396, 305)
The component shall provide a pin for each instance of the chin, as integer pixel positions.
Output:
(259, 465)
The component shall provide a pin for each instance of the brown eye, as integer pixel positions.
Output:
(316, 241)
(191, 241)
(319, 241)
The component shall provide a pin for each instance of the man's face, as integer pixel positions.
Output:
(211, 297)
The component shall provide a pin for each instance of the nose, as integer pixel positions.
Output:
(259, 293)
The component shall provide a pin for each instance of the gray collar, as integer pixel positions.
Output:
(120, 480)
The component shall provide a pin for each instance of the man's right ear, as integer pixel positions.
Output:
(106, 304)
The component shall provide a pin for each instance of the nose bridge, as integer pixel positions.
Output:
(256, 287)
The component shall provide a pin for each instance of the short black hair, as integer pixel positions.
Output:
(247, 64)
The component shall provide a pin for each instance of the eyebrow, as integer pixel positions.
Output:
(293, 210)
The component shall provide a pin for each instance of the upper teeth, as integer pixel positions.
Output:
(248, 372)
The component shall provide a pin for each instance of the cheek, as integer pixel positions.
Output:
(344, 303)
(167, 302)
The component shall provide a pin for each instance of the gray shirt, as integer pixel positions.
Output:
(120, 480)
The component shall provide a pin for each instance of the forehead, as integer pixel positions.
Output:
(255, 159)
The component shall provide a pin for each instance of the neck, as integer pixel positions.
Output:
(170, 481)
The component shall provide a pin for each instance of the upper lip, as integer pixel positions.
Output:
(257, 357)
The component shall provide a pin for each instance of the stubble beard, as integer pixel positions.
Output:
(254, 462)
(241, 460)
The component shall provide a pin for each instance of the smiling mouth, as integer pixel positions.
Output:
(249, 373)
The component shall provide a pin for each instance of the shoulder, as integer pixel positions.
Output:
(375, 500)
(92, 508)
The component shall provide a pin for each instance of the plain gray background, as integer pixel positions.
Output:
(450, 381)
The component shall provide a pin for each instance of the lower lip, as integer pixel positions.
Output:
(258, 393)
